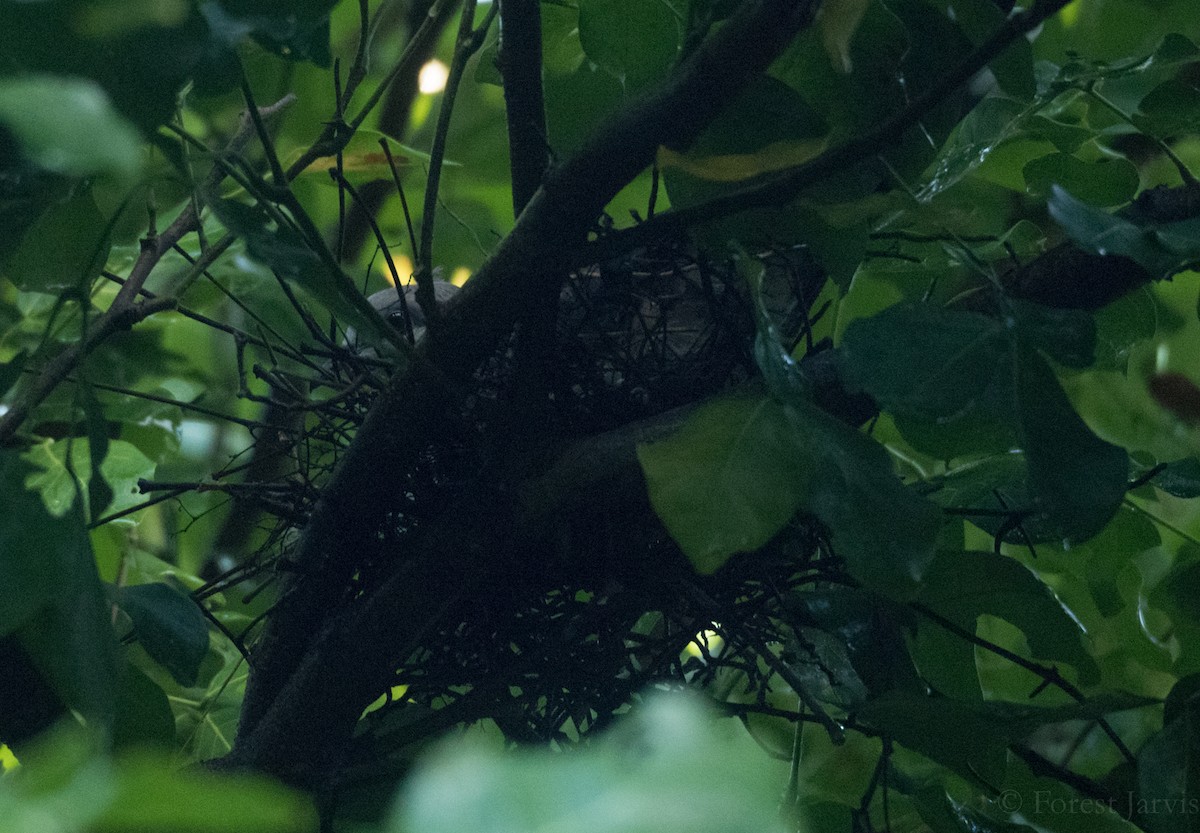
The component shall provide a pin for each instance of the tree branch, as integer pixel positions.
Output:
(468, 43)
(525, 107)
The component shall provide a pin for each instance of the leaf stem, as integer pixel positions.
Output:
(1184, 174)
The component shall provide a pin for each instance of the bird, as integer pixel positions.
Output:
(388, 304)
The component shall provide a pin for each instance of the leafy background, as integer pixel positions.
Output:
(1094, 587)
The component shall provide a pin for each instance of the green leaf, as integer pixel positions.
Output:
(932, 367)
(1105, 182)
(141, 62)
(937, 362)
(65, 248)
(994, 485)
(945, 815)
(51, 598)
(149, 793)
(68, 126)
(729, 480)
(295, 30)
(822, 662)
(883, 530)
(839, 21)
(962, 587)
(963, 739)
(993, 121)
(124, 464)
(1180, 478)
(1051, 805)
(63, 784)
(769, 125)
(1124, 324)
(972, 738)
(1078, 479)
(742, 467)
(1182, 699)
(143, 713)
(1108, 234)
(1175, 595)
(12, 370)
(634, 41)
(1067, 335)
(1168, 766)
(33, 547)
(100, 493)
(169, 626)
(1170, 110)
(110, 18)
(1110, 560)
(669, 767)
(850, 102)
(870, 627)
(961, 383)
(1013, 67)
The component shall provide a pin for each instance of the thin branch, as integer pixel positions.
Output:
(1038, 765)
(711, 610)
(468, 43)
(358, 70)
(132, 510)
(395, 112)
(260, 127)
(345, 185)
(336, 136)
(1048, 674)
(387, 151)
(166, 400)
(1185, 173)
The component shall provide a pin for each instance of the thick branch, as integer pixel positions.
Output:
(525, 267)
(521, 69)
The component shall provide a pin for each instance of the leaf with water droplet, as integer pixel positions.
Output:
(1108, 234)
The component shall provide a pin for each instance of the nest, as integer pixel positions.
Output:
(578, 615)
(659, 329)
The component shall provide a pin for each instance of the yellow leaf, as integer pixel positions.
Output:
(370, 165)
(734, 167)
(839, 21)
